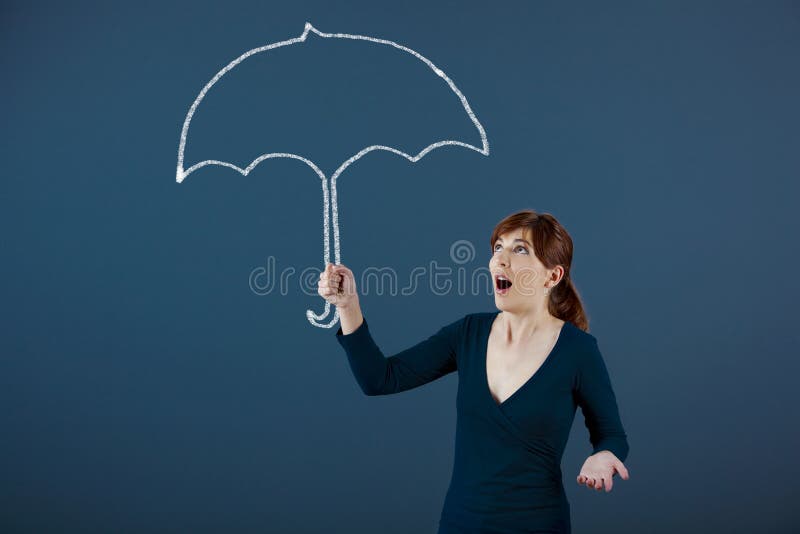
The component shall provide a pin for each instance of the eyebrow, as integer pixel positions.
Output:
(517, 239)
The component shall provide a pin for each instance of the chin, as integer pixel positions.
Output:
(501, 303)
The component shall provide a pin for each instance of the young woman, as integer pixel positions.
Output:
(522, 373)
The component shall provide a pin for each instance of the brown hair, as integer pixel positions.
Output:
(553, 246)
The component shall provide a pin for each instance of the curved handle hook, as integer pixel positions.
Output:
(313, 317)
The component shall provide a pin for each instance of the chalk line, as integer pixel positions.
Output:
(181, 174)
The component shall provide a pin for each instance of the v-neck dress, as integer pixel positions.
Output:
(506, 474)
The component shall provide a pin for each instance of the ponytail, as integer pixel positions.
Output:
(565, 303)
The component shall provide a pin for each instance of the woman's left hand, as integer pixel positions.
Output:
(599, 468)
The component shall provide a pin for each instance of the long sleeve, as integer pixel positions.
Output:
(598, 403)
(424, 362)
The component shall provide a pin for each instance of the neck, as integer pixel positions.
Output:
(517, 327)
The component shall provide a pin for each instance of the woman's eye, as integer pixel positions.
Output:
(519, 247)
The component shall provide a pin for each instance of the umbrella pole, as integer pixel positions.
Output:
(310, 315)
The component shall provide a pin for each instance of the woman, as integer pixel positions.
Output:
(522, 372)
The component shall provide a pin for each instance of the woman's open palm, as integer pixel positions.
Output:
(599, 469)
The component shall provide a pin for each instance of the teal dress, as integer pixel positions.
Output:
(506, 474)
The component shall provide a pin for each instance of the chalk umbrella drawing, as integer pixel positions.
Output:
(330, 208)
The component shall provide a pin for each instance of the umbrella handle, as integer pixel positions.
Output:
(313, 317)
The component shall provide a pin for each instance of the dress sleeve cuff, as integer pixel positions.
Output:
(356, 337)
(617, 448)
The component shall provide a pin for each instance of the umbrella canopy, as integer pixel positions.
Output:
(325, 100)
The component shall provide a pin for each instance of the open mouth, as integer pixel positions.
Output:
(501, 285)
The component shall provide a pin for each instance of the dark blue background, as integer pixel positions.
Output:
(144, 387)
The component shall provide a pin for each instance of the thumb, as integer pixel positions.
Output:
(623, 471)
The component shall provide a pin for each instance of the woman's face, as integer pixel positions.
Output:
(514, 259)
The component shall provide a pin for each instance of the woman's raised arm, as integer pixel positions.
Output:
(376, 374)
(426, 361)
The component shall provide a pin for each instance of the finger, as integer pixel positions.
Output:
(328, 283)
(327, 293)
(328, 287)
(332, 275)
(607, 482)
(330, 292)
(623, 471)
(342, 269)
(344, 277)
(331, 270)
(336, 278)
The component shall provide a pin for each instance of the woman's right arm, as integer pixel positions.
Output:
(426, 361)
(376, 374)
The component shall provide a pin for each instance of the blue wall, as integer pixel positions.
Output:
(146, 387)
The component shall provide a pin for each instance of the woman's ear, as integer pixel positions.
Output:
(557, 274)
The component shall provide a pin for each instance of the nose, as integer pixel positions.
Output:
(501, 258)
